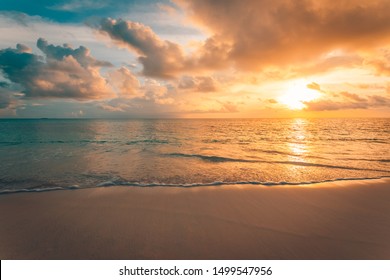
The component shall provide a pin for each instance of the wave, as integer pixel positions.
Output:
(365, 159)
(46, 189)
(150, 141)
(189, 185)
(209, 158)
(83, 141)
(221, 183)
(277, 152)
(10, 143)
(297, 163)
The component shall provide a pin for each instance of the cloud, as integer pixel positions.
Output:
(6, 100)
(314, 86)
(379, 101)
(79, 5)
(261, 33)
(306, 36)
(125, 82)
(63, 72)
(81, 54)
(331, 105)
(120, 107)
(380, 61)
(159, 58)
(145, 98)
(19, 18)
(9, 100)
(199, 84)
(228, 107)
(158, 93)
(218, 108)
(353, 96)
(163, 58)
(327, 63)
(348, 101)
(365, 86)
(272, 101)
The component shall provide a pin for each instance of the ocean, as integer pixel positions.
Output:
(52, 154)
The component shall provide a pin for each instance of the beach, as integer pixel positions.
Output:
(332, 220)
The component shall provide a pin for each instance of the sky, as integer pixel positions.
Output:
(194, 58)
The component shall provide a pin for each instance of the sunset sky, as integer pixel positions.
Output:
(195, 59)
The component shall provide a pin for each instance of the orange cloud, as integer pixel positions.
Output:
(297, 37)
(261, 33)
(314, 86)
(380, 61)
(353, 96)
(348, 101)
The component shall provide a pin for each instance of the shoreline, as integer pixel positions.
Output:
(331, 220)
(193, 185)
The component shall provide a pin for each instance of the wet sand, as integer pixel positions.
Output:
(337, 220)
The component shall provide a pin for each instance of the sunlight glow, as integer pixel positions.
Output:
(297, 93)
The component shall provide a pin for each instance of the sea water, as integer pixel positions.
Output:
(38, 155)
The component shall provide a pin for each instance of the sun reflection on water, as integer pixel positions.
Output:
(297, 144)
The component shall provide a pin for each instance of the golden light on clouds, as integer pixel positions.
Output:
(201, 59)
(297, 93)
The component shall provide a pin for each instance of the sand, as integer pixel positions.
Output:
(338, 220)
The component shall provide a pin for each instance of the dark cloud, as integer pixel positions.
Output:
(8, 98)
(5, 99)
(23, 49)
(81, 54)
(16, 64)
(160, 58)
(63, 72)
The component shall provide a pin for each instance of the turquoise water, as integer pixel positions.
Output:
(54, 154)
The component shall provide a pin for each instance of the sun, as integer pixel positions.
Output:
(297, 93)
